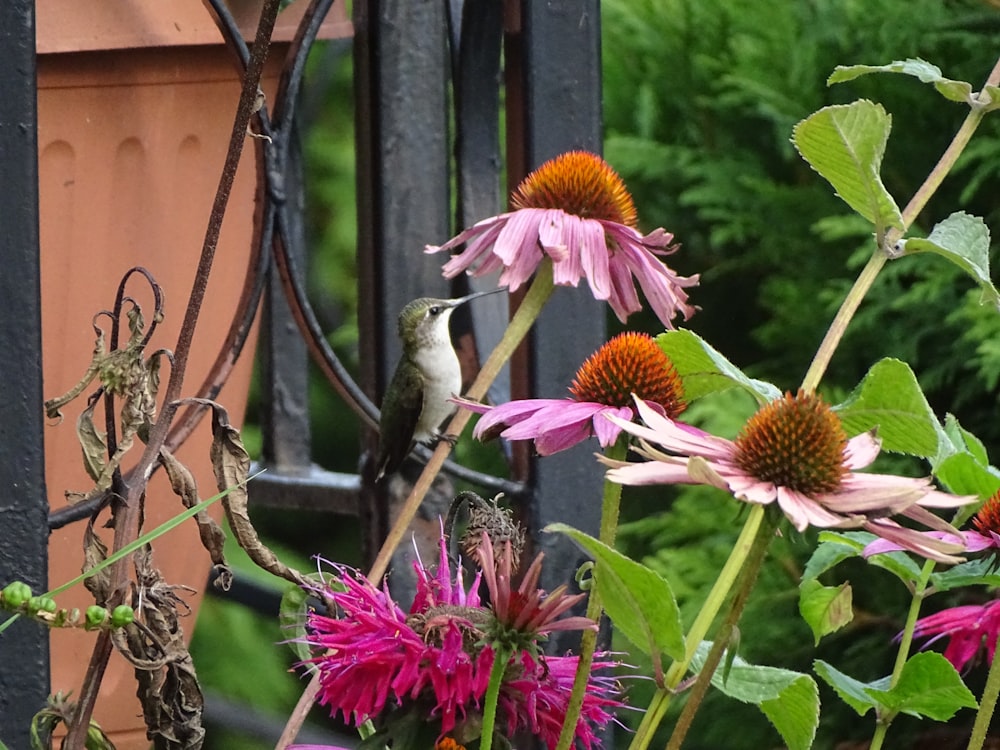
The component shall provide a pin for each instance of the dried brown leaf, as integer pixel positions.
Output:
(92, 441)
(183, 483)
(231, 464)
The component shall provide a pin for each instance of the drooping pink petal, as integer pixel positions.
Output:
(862, 450)
(803, 511)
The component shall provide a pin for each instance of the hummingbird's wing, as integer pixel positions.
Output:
(401, 409)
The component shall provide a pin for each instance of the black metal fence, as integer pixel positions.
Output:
(449, 96)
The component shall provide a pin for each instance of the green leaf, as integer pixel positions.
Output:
(899, 564)
(853, 692)
(705, 371)
(928, 686)
(826, 609)
(292, 617)
(956, 91)
(889, 398)
(965, 241)
(845, 144)
(981, 572)
(790, 700)
(830, 551)
(638, 600)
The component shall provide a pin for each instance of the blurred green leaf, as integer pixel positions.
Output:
(956, 91)
(638, 600)
(928, 686)
(790, 700)
(826, 609)
(853, 692)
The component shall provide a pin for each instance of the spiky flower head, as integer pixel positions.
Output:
(579, 183)
(795, 442)
(627, 365)
(630, 364)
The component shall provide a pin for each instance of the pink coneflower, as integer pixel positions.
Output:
(968, 629)
(436, 660)
(984, 537)
(575, 210)
(793, 451)
(630, 363)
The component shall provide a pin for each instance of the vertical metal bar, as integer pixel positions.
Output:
(284, 360)
(477, 31)
(559, 54)
(24, 678)
(401, 72)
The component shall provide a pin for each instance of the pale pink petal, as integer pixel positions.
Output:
(552, 235)
(676, 437)
(751, 489)
(967, 540)
(595, 261)
(604, 429)
(508, 414)
(662, 287)
(624, 300)
(803, 511)
(651, 472)
(861, 450)
(520, 237)
(914, 541)
(481, 228)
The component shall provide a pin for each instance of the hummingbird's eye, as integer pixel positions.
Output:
(436, 310)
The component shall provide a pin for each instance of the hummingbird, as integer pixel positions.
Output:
(428, 374)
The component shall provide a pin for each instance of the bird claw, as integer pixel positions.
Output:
(445, 437)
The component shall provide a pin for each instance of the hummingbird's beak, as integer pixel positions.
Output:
(462, 300)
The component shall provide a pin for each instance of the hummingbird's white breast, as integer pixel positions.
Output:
(438, 363)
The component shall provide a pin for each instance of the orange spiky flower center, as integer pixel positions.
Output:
(579, 183)
(630, 363)
(795, 442)
(448, 743)
(988, 517)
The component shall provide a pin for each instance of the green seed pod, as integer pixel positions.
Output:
(38, 604)
(96, 617)
(121, 616)
(15, 594)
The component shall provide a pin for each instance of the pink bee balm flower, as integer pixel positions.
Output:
(436, 659)
(967, 628)
(576, 211)
(630, 363)
(793, 451)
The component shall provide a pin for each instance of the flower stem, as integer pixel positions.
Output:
(517, 329)
(610, 506)
(868, 274)
(986, 706)
(905, 641)
(752, 564)
(500, 658)
(752, 530)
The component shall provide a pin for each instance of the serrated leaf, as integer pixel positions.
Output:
(704, 370)
(638, 600)
(890, 399)
(790, 700)
(828, 553)
(845, 144)
(826, 609)
(956, 91)
(928, 686)
(899, 564)
(982, 572)
(853, 692)
(292, 619)
(965, 241)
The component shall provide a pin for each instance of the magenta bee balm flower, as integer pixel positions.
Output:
(576, 211)
(433, 663)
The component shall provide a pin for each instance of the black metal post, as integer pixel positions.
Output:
(24, 674)
(559, 57)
